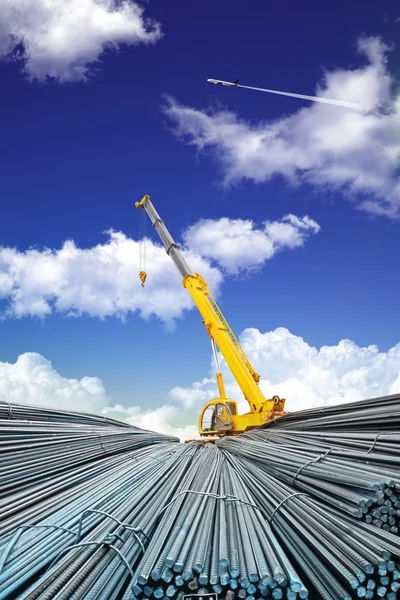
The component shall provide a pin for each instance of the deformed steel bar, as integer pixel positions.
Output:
(214, 538)
(123, 495)
(375, 415)
(95, 510)
(351, 481)
(341, 556)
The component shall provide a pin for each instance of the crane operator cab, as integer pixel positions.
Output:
(216, 416)
(221, 417)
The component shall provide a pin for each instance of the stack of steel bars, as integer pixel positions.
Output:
(29, 412)
(64, 481)
(180, 510)
(212, 537)
(374, 415)
(342, 557)
(384, 443)
(41, 461)
(92, 544)
(97, 510)
(365, 484)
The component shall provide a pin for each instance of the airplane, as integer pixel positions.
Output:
(228, 83)
(344, 103)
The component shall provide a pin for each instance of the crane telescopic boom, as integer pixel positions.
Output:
(220, 333)
(171, 247)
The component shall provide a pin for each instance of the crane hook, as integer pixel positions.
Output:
(142, 277)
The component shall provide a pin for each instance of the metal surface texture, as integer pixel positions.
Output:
(98, 510)
(375, 415)
(342, 557)
(363, 483)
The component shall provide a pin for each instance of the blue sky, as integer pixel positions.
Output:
(77, 153)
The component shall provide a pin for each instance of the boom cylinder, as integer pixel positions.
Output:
(220, 380)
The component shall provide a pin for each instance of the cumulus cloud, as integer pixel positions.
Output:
(288, 366)
(103, 281)
(238, 244)
(55, 38)
(306, 376)
(165, 419)
(357, 153)
(33, 380)
(100, 281)
(199, 393)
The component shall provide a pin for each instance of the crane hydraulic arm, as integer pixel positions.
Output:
(217, 327)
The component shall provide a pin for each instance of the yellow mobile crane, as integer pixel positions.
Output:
(219, 416)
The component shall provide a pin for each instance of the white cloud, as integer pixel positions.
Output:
(62, 39)
(103, 281)
(238, 244)
(33, 380)
(100, 281)
(199, 393)
(306, 376)
(327, 146)
(288, 367)
(165, 419)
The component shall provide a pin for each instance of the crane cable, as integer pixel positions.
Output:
(142, 249)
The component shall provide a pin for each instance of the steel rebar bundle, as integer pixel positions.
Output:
(341, 556)
(374, 415)
(117, 512)
(213, 538)
(365, 485)
(29, 412)
(373, 444)
(94, 510)
(41, 461)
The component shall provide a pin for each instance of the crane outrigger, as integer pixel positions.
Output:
(219, 416)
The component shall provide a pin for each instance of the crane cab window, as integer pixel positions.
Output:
(223, 415)
(207, 422)
(232, 407)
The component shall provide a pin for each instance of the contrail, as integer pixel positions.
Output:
(353, 105)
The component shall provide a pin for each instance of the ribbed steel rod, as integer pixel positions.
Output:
(351, 481)
(374, 415)
(92, 509)
(28, 412)
(341, 556)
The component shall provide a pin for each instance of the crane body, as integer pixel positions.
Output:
(219, 416)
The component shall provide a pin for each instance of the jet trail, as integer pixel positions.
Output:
(353, 105)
